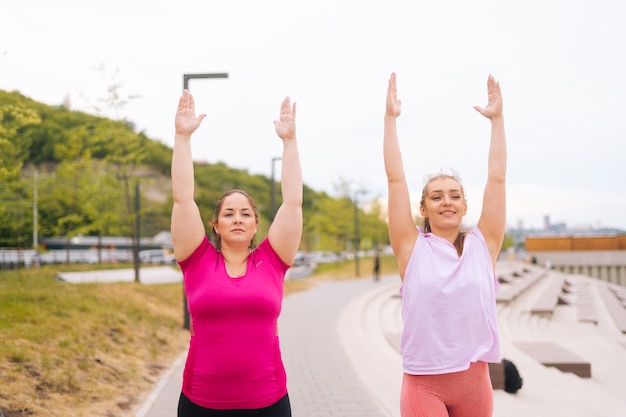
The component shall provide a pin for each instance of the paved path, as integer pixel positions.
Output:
(322, 343)
(148, 275)
(322, 378)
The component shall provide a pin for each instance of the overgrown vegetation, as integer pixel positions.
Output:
(86, 349)
(86, 171)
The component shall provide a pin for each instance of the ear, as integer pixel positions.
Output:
(422, 211)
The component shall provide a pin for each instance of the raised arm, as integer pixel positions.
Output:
(187, 227)
(285, 231)
(402, 230)
(492, 222)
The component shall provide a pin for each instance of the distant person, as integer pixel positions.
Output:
(234, 289)
(376, 264)
(448, 276)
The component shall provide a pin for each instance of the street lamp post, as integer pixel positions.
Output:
(186, 78)
(35, 211)
(36, 178)
(273, 196)
(357, 232)
(137, 243)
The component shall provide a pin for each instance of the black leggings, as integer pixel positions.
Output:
(186, 408)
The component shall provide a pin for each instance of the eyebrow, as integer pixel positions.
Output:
(454, 190)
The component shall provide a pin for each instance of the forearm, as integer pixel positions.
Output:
(182, 169)
(391, 151)
(291, 173)
(497, 151)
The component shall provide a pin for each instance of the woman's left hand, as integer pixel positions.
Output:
(286, 124)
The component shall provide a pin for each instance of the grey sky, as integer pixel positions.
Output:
(561, 65)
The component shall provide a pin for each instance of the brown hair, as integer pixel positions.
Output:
(460, 239)
(217, 239)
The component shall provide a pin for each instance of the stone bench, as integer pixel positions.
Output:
(587, 312)
(523, 280)
(615, 305)
(556, 356)
(496, 373)
(549, 299)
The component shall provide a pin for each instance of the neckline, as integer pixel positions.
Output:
(235, 276)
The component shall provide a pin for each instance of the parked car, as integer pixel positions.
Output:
(156, 256)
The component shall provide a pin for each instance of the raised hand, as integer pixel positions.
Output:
(393, 103)
(286, 124)
(494, 100)
(186, 121)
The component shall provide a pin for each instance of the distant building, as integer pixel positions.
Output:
(602, 257)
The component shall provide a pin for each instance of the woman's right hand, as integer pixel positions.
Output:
(186, 121)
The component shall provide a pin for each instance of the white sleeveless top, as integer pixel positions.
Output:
(448, 306)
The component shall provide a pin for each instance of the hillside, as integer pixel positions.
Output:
(81, 175)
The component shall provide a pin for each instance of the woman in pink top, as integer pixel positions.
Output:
(448, 277)
(234, 290)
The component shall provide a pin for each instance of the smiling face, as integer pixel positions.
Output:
(443, 203)
(237, 220)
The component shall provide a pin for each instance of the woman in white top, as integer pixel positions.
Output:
(448, 277)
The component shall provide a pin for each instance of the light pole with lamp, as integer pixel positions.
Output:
(36, 178)
(186, 78)
(137, 243)
(273, 196)
(357, 231)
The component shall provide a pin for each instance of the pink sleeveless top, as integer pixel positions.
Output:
(448, 306)
(234, 359)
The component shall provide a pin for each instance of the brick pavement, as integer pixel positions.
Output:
(321, 376)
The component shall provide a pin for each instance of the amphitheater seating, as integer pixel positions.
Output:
(586, 309)
(516, 282)
(554, 355)
(496, 372)
(614, 302)
(551, 296)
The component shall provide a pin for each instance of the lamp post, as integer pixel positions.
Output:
(357, 232)
(273, 196)
(186, 78)
(137, 243)
(36, 177)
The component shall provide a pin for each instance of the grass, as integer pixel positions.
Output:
(347, 269)
(97, 349)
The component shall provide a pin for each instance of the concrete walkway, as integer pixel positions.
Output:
(148, 275)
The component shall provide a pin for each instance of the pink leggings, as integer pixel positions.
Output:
(457, 394)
